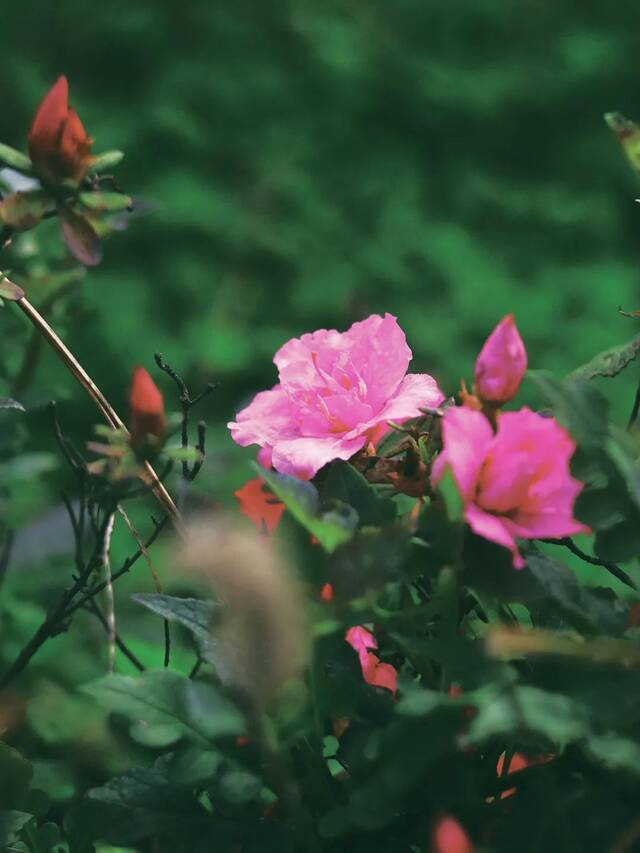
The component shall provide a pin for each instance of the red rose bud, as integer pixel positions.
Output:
(450, 837)
(147, 411)
(501, 364)
(58, 144)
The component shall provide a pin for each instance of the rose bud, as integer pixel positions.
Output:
(449, 837)
(58, 144)
(501, 364)
(147, 412)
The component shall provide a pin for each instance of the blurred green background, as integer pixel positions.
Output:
(307, 162)
(313, 161)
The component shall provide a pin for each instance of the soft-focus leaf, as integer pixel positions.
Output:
(107, 160)
(15, 159)
(102, 202)
(628, 135)
(577, 405)
(166, 698)
(80, 237)
(23, 210)
(15, 778)
(609, 363)
(11, 822)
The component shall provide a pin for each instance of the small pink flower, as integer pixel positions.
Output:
(513, 483)
(336, 393)
(450, 837)
(374, 671)
(501, 364)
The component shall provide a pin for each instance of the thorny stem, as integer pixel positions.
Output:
(107, 410)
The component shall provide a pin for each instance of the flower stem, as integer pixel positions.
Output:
(108, 412)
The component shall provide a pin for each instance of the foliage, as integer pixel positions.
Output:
(288, 167)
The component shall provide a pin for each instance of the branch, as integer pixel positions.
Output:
(107, 410)
(616, 571)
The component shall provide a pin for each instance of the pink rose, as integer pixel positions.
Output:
(336, 393)
(501, 364)
(515, 482)
(374, 671)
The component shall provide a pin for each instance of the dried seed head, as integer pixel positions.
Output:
(259, 640)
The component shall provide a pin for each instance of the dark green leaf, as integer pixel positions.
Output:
(343, 483)
(15, 778)
(301, 498)
(195, 614)
(11, 822)
(577, 405)
(198, 710)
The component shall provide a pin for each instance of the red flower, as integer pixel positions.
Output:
(58, 144)
(449, 837)
(374, 671)
(147, 411)
(260, 506)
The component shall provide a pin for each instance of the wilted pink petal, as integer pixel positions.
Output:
(515, 483)
(501, 364)
(337, 391)
(374, 671)
(450, 837)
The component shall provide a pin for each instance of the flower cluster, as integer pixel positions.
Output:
(339, 392)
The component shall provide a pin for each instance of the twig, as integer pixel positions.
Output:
(635, 410)
(195, 669)
(124, 568)
(616, 571)
(120, 643)
(107, 410)
(54, 620)
(187, 403)
(108, 591)
(5, 554)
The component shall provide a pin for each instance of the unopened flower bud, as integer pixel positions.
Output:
(501, 364)
(147, 411)
(58, 143)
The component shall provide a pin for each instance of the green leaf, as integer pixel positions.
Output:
(15, 778)
(450, 492)
(107, 160)
(577, 405)
(301, 498)
(608, 363)
(525, 709)
(614, 752)
(628, 135)
(343, 483)
(195, 614)
(24, 210)
(9, 290)
(11, 822)
(7, 402)
(15, 159)
(199, 711)
(80, 237)
(105, 202)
